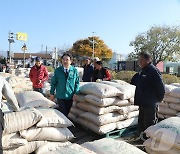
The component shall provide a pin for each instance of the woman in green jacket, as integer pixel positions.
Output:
(66, 84)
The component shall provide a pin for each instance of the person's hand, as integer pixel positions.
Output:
(74, 97)
(52, 97)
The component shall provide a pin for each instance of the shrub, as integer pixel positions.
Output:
(123, 75)
(50, 69)
(168, 79)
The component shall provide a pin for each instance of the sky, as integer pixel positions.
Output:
(59, 23)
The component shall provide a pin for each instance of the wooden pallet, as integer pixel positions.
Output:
(121, 132)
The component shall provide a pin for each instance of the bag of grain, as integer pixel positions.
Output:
(111, 146)
(102, 102)
(53, 118)
(17, 121)
(51, 146)
(100, 90)
(97, 110)
(127, 123)
(70, 149)
(127, 89)
(47, 134)
(33, 99)
(12, 141)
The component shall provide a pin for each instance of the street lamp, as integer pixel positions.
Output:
(24, 48)
(11, 40)
(93, 45)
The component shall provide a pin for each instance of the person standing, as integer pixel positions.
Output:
(38, 75)
(88, 70)
(66, 84)
(149, 91)
(100, 73)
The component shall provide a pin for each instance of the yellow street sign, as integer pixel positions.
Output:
(21, 36)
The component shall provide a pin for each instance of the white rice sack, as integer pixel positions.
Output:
(132, 114)
(17, 121)
(51, 146)
(33, 99)
(167, 131)
(97, 129)
(102, 102)
(70, 149)
(164, 104)
(8, 93)
(131, 100)
(112, 146)
(76, 111)
(127, 109)
(6, 107)
(127, 123)
(175, 84)
(167, 111)
(121, 82)
(161, 116)
(12, 141)
(175, 92)
(14, 81)
(53, 118)
(47, 134)
(100, 90)
(175, 106)
(171, 99)
(154, 146)
(169, 88)
(81, 98)
(73, 117)
(127, 90)
(102, 119)
(97, 110)
(27, 148)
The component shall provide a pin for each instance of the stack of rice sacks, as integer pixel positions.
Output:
(34, 125)
(105, 106)
(170, 106)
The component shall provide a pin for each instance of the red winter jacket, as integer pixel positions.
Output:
(38, 76)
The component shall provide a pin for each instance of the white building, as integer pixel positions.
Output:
(116, 57)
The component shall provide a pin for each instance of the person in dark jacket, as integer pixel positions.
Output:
(100, 73)
(38, 75)
(149, 91)
(88, 71)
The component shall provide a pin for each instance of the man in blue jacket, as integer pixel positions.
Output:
(149, 91)
(66, 83)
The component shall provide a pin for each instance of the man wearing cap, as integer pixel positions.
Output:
(88, 70)
(100, 73)
(38, 75)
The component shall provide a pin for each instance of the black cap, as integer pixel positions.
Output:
(38, 59)
(99, 62)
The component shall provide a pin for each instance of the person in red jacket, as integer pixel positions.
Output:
(100, 73)
(38, 75)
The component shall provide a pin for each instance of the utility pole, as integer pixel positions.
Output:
(11, 40)
(55, 57)
(46, 54)
(24, 48)
(93, 45)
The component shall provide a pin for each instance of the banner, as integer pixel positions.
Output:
(21, 36)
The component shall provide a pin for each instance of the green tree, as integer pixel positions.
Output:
(84, 47)
(163, 43)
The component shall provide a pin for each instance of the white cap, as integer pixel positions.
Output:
(96, 59)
